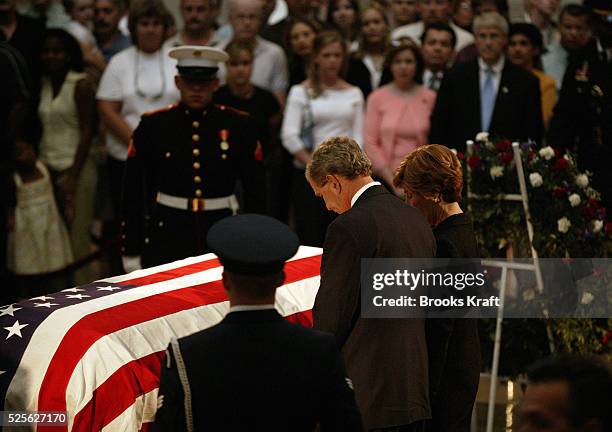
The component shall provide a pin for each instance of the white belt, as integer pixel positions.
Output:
(198, 204)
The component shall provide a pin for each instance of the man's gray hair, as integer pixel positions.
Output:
(339, 156)
(490, 19)
(234, 5)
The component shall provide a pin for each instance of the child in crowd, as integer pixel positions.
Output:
(38, 241)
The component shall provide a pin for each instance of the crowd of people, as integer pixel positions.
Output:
(120, 128)
(394, 75)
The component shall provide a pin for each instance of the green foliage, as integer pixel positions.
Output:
(568, 221)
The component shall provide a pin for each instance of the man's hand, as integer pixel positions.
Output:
(131, 263)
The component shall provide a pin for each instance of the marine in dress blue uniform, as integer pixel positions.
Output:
(183, 165)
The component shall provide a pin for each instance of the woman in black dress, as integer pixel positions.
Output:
(432, 178)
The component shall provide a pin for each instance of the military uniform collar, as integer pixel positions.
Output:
(252, 316)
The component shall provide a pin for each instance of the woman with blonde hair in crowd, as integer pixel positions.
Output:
(324, 105)
(432, 179)
(365, 69)
(397, 114)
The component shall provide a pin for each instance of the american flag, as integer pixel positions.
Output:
(95, 351)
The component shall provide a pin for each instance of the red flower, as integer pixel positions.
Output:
(609, 229)
(559, 192)
(590, 212)
(531, 155)
(474, 162)
(460, 156)
(506, 157)
(504, 145)
(591, 208)
(606, 338)
(561, 164)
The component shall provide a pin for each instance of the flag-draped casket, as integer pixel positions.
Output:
(95, 351)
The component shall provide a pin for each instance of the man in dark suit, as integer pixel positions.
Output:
(488, 94)
(386, 358)
(255, 371)
(438, 48)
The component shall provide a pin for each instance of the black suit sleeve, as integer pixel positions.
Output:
(251, 169)
(135, 202)
(337, 303)
(170, 414)
(567, 114)
(441, 116)
(534, 127)
(339, 408)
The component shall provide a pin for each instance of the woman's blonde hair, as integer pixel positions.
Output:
(322, 40)
(432, 170)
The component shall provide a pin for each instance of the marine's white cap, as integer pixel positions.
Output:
(198, 62)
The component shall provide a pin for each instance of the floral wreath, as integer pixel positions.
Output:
(566, 212)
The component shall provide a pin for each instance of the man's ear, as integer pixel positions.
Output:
(177, 81)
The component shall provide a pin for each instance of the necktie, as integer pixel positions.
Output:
(487, 100)
(434, 82)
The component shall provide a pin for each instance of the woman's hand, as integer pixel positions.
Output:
(68, 186)
(303, 156)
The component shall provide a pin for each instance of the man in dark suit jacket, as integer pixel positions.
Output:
(255, 371)
(386, 358)
(488, 94)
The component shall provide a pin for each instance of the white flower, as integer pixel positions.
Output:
(454, 151)
(496, 171)
(592, 193)
(563, 225)
(547, 152)
(482, 136)
(582, 180)
(587, 298)
(529, 295)
(535, 179)
(597, 225)
(574, 199)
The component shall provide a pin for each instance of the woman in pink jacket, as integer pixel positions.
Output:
(397, 114)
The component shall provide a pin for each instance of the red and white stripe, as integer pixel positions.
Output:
(100, 360)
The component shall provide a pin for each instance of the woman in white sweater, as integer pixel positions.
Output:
(322, 106)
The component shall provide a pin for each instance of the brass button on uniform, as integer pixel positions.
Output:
(196, 152)
(197, 179)
(195, 137)
(223, 156)
(195, 124)
(196, 165)
(167, 155)
(198, 193)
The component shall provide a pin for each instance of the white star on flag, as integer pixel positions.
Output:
(47, 305)
(9, 310)
(75, 289)
(43, 298)
(77, 296)
(108, 288)
(15, 329)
